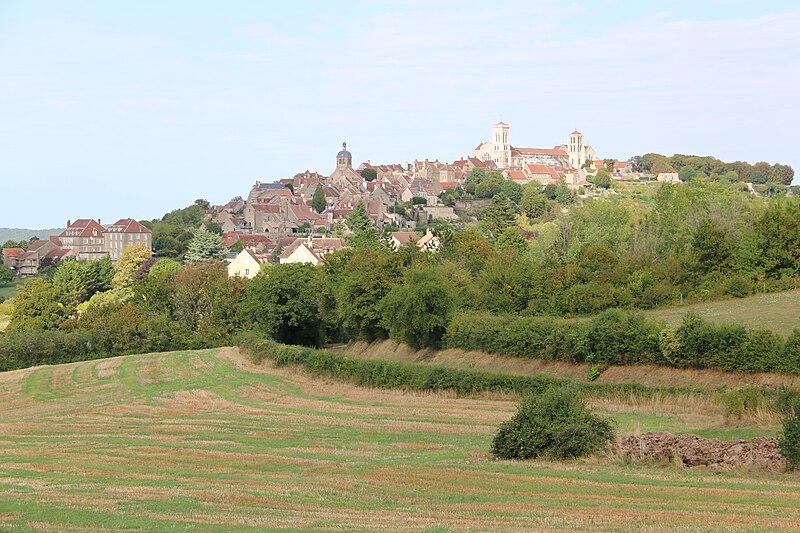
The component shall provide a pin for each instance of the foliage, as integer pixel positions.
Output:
(130, 259)
(789, 438)
(500, 214)
(6, 274)
(417, 311)
(557, 424)
(205, 246)
(358, 290)
(318, 202)
(369, 174)
(39, 306)
(80, 280)
(283, 302)
(359, 222)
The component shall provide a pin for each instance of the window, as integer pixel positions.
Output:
(246, 271)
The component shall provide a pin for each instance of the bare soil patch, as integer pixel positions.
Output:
(691, 450)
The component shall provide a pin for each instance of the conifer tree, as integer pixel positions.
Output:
(318, 200)
(205, 246)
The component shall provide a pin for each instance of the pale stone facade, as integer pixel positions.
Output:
(246, 264)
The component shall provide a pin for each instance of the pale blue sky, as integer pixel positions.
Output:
(116, 109)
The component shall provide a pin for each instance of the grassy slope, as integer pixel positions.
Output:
(779, 312)
(8, 290)
(206, 441)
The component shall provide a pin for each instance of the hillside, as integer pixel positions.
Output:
(779, 312)
(17, 234)
(206, 440)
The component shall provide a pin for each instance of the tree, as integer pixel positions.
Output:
(205, 299)
(418, 311)
(512, 189)
(283, 302)
(39, 306)
(205, 246)
(533, 202)
(80, 280)
(491, 185)
(6, 274)
(498, 216)
(603, 179)
(202, 203)
(781, 174)
(686, 173)
(369, 174)
(318, 200)
(359, 222)
(237, 246)
(129, 262)
(359, 288)
(214, 227)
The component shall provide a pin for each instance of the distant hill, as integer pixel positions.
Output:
(16, 234)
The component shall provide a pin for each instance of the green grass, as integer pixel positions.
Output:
(779, 312)
(203, 441)
(8, 290)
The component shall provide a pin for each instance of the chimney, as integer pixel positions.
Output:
(310, 242)
(68, 223)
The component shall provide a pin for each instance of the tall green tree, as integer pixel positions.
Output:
(130, 260)
(205, 246)
(6, 274)
(498, 216)
(417, 311)
(318, 200)
(39, 306)
(359, 222)
(80, 280)
(283, 302)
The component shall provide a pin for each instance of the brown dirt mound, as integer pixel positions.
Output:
(691, 450)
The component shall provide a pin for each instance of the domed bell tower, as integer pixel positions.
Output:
(344, 159)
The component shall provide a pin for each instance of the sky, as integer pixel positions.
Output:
(135, 108)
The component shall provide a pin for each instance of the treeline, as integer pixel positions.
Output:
(693, 166)
(688, 242)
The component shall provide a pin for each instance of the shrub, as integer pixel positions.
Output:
(556, 423)
(789, 439)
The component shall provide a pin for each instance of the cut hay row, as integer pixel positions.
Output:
(207, 440)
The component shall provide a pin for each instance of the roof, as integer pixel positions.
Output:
(83, 227)
(343, 152)
(13, 252)
(274, 185)
(405, 237)
(255, 240)
(517, 175)
(542, 151)
(576, 132)
(127, 225)
(319, 247)
(538, 169)
(268, 208)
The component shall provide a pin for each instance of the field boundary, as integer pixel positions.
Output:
(646, 375)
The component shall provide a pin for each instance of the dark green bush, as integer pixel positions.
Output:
(556, 424)
(789, 439)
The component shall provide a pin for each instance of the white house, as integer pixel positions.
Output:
(246, 264)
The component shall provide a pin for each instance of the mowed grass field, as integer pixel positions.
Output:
(8, 290)
(206, 441)
(779, 312)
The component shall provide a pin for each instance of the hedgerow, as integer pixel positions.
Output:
(618, 337)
